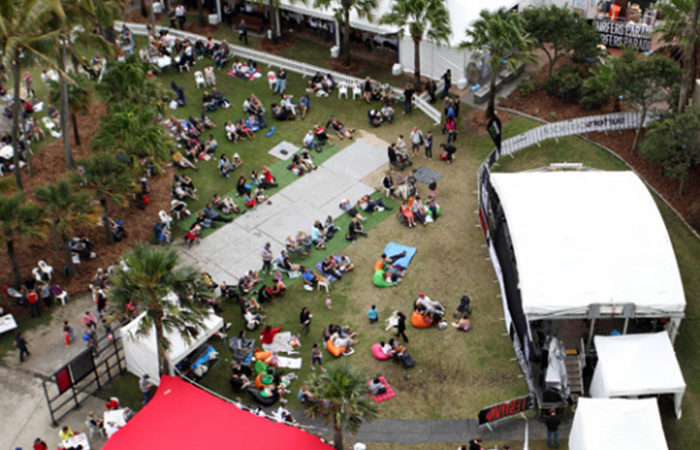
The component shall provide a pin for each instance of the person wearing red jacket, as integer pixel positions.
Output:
(267, 335)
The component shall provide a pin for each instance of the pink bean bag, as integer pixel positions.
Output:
(378, 353)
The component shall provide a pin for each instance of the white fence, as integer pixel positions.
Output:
(305, 70)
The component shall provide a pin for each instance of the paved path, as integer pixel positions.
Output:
(234, 249)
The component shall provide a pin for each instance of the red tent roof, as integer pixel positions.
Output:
(182, 416)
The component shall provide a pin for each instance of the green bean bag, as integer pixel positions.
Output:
(379, 281)
(430, 211)
(260, 367)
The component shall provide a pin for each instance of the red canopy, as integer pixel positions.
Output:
(182, 416)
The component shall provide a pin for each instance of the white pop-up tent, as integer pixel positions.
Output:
(141, 350)
(617, 424)
(637, 364)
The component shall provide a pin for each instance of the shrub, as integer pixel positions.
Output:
(526, 88)
(566, 83)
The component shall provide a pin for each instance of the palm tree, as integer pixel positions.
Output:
(342, 9)
(681, 25)
(135, 132)
(128, 83)
(340, 398)
(501, 33)
(423, 18)
(110, 180)
(153, 274)
(79, 97)
(67, 209)
(18, 219)
(24, 35)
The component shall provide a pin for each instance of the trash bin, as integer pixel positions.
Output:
(462, 83)
(213, 19)
(335, 51)
(157, 8)
(396, 69)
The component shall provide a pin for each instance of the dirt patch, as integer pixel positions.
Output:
(49, 165)
(283, 44)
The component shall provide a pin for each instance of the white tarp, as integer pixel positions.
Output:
(589, 237)
(637, 364)
(141, 350)
(617, 424)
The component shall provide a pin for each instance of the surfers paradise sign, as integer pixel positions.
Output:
(621, 34)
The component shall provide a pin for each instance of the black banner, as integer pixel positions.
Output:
(621, 34)
(506, 409)
(81, 366)
(494, 128)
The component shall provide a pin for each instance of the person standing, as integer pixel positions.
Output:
(316, 356)
(146, 386)
(305, 319)
(267, 257)
(475, 444)
(33, 301)
(243, 32)
(408, 92)
(89, 321)
(281, 83)
(416, 141)
(447, 78)
(372, 314)
(39, 444)
(552, 422)
(68, 334)
(431, 88)
(401, 327)
(21, 345)
(180, 15)
(428, 144)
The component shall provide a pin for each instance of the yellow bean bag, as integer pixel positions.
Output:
(418, 320)
(335, 350)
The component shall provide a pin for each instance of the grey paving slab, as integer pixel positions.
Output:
(299, 216)
(319, 186)
(253, 218)
(353, 193)
(357, 160)
(290, 148)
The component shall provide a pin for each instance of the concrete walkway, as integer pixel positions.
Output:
(234, 249)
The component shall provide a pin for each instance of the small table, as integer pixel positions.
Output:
(7, 323)
(163, 61)
(7, 152)
(76, 440)
(114, 420)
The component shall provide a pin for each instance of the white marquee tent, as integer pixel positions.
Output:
(141, 350)
(637, 364)
(435, 59)
(617, 424)
(590, 237)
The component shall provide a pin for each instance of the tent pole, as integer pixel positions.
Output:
(337, 34)
(590, 334)
(627, 321)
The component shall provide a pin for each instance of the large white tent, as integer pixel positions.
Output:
(435, 59)
(617, 424)
(637, 364)
(590, 237)
(141, 350)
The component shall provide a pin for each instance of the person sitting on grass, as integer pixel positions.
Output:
(278, 112)
(330, 267)
(375, 118)
(225, 204)
(244, 130)
(181, 161)
(278, 287)
(209, 102)
(342, 337)
(241, 187)
(260, 196)
(240, 382)
(225, 166)
(213, 216)
(181, 192)
(192, 234)
(236, 160)
(463, 324)
(339, 129)
(249, 200)
(178, 208)
(220, 98)
(321, 135)
(346, 206)
(355, 229)
(399, 350)
(303, 240)
(231, 132)
(304, 105)
(192, 149)
(318, 236)
(376, 387)
(387, 113)
(210, 145)
(203, 221)
(252, 319)
(309, 141)
(368, 205)
(289, 106)
(345, 265)
(329, 228)
(311, 278)
(419, 210)
(285, 263)
(266, 179)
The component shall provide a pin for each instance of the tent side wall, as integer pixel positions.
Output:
(140, 351)
(434, 59)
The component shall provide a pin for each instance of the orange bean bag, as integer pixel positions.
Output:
(262, 356)
(263, 379)
(418, 320)
(335, 350)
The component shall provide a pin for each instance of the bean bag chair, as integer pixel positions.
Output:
(430, 211)
(262, 379)
(262, 356)
(379, 281)
(260, 399)
(378, 353)
(260, 367)
(333, 349)
(418, 320)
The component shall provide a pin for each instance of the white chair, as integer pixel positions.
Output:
(165, 217)
(46, 268)
(199, 79)
(92, 429)
(48, 123)
(356, 91)
(325, 284)
(271, 79)
(342, 90)
(59, 294)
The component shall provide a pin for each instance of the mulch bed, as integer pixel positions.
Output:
(49, 165)
(544, 105)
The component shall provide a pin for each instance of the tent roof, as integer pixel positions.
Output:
(182, 416)
(462, 14)
(617, 424)
(637, 364)
(588, 237)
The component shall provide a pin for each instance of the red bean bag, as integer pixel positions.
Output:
(418, 320)
(335, 351)
(378, 353)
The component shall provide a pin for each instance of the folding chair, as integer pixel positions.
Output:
(199, 79)
(342, 90)
(271, 79)
(356, 91)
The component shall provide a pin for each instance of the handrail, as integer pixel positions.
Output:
(304, 69)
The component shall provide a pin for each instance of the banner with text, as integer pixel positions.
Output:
(624, 34)
(505, 409)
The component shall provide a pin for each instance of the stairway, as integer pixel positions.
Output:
(574, 369)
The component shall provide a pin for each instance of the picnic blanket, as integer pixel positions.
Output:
(385, 396)
(288, 363)
(250, 76)
(281, 343)
(319, 264)
(392, 248)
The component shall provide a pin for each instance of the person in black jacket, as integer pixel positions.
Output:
(401, 327)
(552, 422)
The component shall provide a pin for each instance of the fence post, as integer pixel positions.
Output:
(48, 403)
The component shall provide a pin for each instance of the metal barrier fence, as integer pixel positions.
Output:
(84, 375)
(304, 69)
